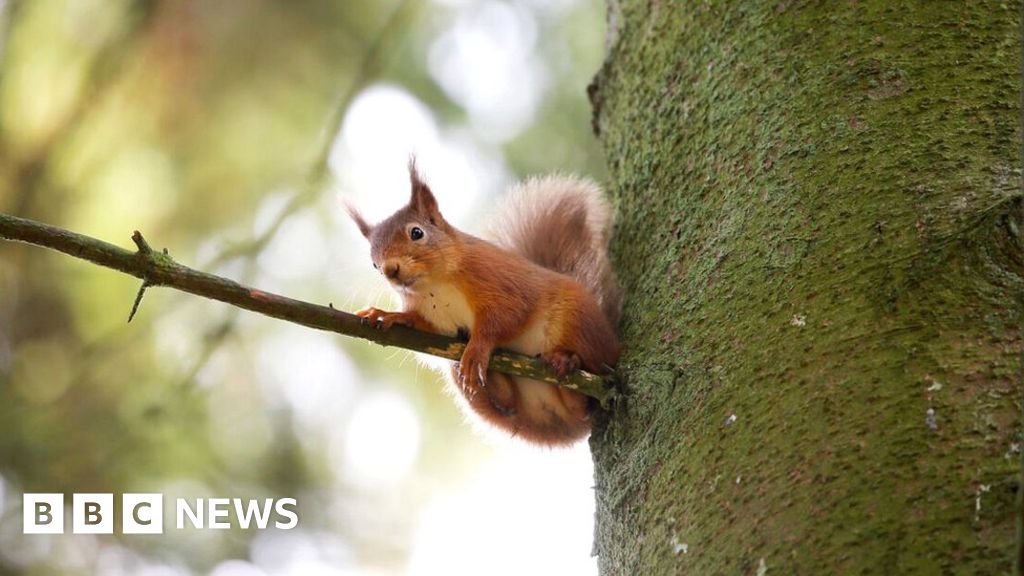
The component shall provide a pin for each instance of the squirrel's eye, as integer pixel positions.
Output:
(375, 266)
(416, 233)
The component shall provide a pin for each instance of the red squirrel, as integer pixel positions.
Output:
(543, 287)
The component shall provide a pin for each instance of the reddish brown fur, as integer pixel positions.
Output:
(506, 294)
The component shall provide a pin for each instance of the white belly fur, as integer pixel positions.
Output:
(448, 310)
(443, 306)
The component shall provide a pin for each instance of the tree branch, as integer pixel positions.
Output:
(159, 269)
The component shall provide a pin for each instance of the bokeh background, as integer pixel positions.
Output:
(228, 131)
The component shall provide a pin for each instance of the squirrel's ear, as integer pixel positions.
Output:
(364, 228)
(422, 200)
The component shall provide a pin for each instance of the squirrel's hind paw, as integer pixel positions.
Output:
(563, 362)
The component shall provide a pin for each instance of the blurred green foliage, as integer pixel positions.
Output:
(209, 126)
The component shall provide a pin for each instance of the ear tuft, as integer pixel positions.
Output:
(414, 174)
(364, 228)
(422, 200)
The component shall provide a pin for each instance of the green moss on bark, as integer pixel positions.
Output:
(819, 209)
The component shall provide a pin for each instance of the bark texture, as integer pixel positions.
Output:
(819, 235)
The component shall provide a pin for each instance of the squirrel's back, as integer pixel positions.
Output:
(563, 224)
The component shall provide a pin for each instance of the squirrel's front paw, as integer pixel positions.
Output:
(382, 319)
(472, 369)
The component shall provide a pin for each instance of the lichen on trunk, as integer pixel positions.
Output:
(819, 233)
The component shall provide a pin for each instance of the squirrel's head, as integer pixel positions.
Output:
(408, 248)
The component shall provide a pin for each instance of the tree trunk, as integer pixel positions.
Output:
(819, 233)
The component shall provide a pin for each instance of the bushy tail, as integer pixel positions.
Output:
(562, 223)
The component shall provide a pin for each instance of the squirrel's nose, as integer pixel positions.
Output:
(391, 269)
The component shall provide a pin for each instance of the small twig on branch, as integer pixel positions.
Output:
(144, 248)
(138, 300)
(144, 251)
(159, 269)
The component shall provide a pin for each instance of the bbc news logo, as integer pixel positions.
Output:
(144, 513)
